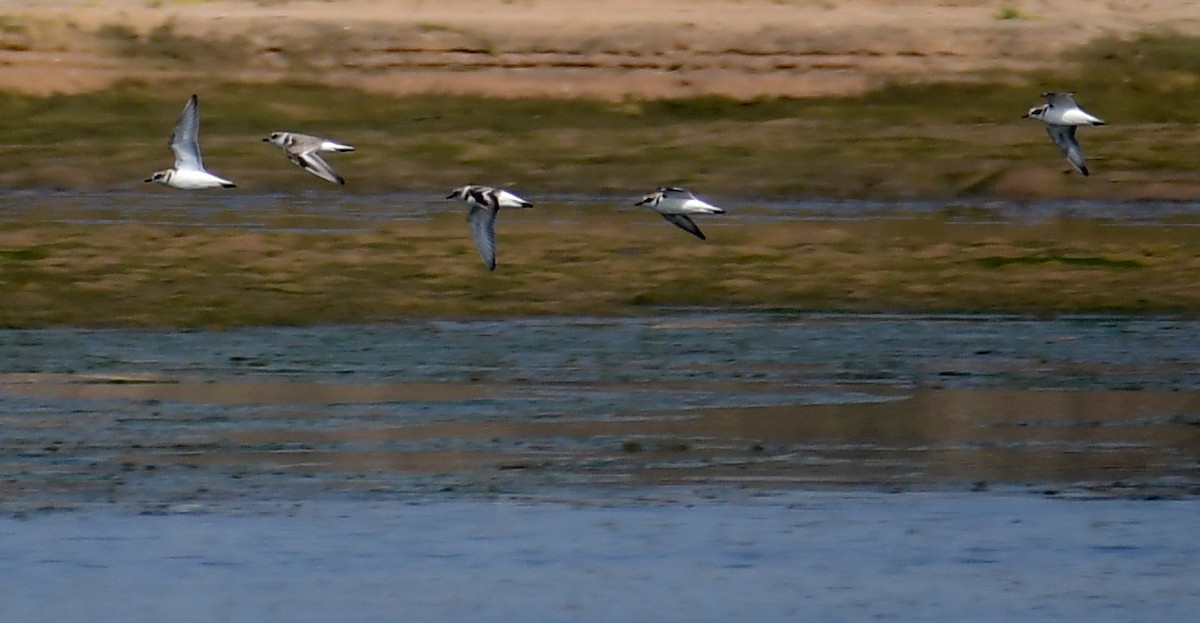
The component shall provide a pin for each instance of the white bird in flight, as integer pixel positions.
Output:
(1062, 115)
(188, 172)
(485, 203)
(675, 204)
(304, 150)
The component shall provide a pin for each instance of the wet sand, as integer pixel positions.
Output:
(189, 260)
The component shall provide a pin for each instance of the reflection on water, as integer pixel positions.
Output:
(1101, 403)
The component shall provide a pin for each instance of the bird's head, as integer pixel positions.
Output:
(651, 199)
(159, 176)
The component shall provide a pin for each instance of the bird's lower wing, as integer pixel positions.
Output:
(483, 230)
(1064, 137)
(311, 162)
(684, 223)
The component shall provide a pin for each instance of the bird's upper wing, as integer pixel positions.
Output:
(676, 192)
(301, 143)
(185, 140)
(1065, 99)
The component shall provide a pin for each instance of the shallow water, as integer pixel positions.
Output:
(774, 466)
(787, 557)
(1100, 404)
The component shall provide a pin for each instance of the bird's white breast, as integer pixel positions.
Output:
(187, 179)
(1071, 116)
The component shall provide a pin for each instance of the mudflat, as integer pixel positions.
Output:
(262, 263)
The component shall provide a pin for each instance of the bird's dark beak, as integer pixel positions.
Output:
(1025, 116)
(267, 140)
(451, 195)
(149, 179)
(642, 202)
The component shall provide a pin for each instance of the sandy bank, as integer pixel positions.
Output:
(555, 47)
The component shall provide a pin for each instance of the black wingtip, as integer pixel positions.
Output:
(1084, 171)
(229, 185)
(526, 204)
(341, 180)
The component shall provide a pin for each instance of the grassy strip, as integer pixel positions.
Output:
(566, 260)
(900, 141)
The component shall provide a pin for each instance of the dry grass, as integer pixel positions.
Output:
(583, 263)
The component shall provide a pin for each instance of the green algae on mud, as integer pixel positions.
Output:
(576, 261)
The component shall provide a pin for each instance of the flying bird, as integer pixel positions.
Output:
(1062, 116)
(675, 204)
(485, 203)
(305, 151)
(188, 172)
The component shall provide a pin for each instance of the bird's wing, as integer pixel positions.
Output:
(482, 196)
(1064, 137)
(312, 162)
(483, 230)
(185, 140)
(301, 143)
(1065, 99)
(676, 192)
(685, 224)
(509, 200)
